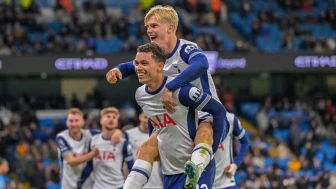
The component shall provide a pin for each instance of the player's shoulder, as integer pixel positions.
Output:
(140, 91)
(63, 134)
(97, 136)
(132, 130)
(187, 46)
(184, 42)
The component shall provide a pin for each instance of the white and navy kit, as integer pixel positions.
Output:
(107, 165)
(135, 138)
(224, 155)
(185, 54)
(68, 145)
(177, 131)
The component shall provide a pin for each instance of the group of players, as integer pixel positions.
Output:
(190, 133)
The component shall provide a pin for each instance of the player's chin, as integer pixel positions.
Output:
(110, 128)
(142, 80)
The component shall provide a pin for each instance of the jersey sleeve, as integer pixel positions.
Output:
(127, 154)
(126, 69)
(63, 146)
(94, 131)
(198, 65)
(238, 131)
(188, 51)
(192, 96)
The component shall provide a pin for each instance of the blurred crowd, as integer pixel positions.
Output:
(297, 160)
(305, 25)
(303, 157)
(75, 27)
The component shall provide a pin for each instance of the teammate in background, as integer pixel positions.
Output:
(226, 167)
(108, 164)
(136, 136)
(3, 171)
(175, 132)
(73, 150)
(185, 61)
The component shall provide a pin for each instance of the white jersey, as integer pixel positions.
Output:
(108, 164)
(224, 156)
(135, 138)
(178, 60)
(175, 131)
(67, 145)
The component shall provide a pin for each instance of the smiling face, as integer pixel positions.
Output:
(161, 23)
(158, 32)
(75, 122)
(146, 68)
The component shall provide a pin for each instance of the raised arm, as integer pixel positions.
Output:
(198, 65)
(121, 71)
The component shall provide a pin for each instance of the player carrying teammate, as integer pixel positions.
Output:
(175, 132)
(185, 61)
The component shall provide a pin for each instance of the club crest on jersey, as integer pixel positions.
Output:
(189, 48)
(195, 94)
(162, 121)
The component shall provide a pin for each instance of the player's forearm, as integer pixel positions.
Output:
(80, 159)
(126, 69)
(198, 65)
(244, 144)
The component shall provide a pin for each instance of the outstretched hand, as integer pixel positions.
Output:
(113, 75)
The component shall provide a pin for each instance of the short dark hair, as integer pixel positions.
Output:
(158, 54)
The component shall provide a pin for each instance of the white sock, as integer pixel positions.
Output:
(139, 175)
(201, 156)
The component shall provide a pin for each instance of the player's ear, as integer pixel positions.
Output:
(170, 28)
(161, 65)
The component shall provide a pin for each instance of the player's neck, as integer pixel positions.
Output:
(76, 136)
(156, 83)
(143, 128)
(107, 134)
(171, 46)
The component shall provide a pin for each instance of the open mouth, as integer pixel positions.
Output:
(152, 38)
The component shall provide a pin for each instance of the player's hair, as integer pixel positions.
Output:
(165, 14)
(109, 110)
(75, 111)
(158, 54)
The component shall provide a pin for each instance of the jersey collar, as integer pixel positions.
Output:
(159, 89)
(175, 48)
